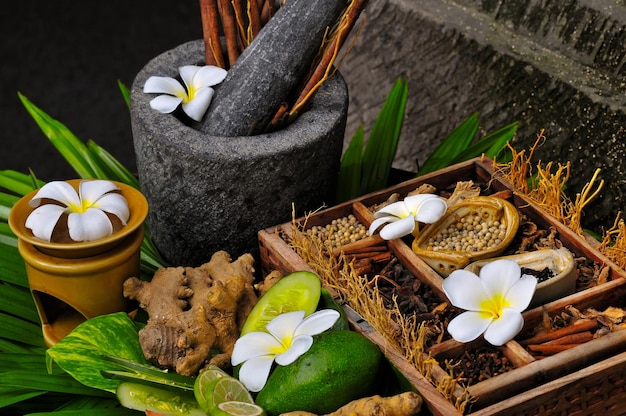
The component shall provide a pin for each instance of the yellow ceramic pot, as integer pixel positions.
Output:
(72, 282)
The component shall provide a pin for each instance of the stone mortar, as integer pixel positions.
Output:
(209, 193)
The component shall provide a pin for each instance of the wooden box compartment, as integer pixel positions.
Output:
(495, 394)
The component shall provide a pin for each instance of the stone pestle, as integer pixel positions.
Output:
(271, 68)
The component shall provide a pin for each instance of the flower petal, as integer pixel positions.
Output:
(59, 191)
(91, 225)
(196, 107)
(299, 345)
(284, 325)
(208, 76)
(504, 329)
(521, 293)
(93, 190)
(165, 103)
(499, 276)
(254, 344)
(164, 85)
(465, 290)
(430, 210)
(114, 204)
(469, 325)
(317, 322)
(380, 221)
(187, 73)
(43, 220)
(254, 372)
(397, 209)
(398, 229)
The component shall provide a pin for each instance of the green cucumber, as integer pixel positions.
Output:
(295, 292)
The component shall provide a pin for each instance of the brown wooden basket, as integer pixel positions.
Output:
(569, 382)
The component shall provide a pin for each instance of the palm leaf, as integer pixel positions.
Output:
(451, 146)
(382, 142)
(490, 145)
(349, 183)
(68, 145)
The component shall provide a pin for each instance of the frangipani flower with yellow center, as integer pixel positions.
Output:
(87, 210)
(288, 336)
(494, 302)
(402, 217)
(195, 96)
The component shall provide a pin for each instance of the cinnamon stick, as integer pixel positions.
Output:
(364, 243)
(577, 338)
(210, 30)
(581, 326)
(550, 349)
(229, 25)
(368, 254)
(321, 71)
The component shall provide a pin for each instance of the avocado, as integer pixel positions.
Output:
(340, 366)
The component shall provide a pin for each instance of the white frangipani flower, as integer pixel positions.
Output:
(195, 96)
(289, 336)
(86, 210)
(401, 217)
(494, 302)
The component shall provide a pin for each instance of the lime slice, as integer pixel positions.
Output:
(233, 408)
(203, 386)
(298, 291)
(227, 389)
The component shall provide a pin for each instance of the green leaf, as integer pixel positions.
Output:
(11, 396)
(68, 145)
(112, 167)
(451, 146)
(382, 142)
(81, 352)
(59, 383)
(125, 92)
(349, 183)
(17, 182)
(17, 329)
(490, 145)
(18, 301)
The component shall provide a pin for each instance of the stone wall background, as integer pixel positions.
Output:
(551, 65)
(556, 66)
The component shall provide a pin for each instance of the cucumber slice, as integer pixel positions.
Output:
(147, 398)
(298, 291)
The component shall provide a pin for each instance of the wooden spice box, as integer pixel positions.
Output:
(534, 385)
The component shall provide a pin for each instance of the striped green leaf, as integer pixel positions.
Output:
(80, 353)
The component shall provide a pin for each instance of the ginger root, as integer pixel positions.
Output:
(404, 404)
(195, 315)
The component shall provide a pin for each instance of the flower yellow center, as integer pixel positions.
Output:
(189, 96)
(82, 207)
(493, 306)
